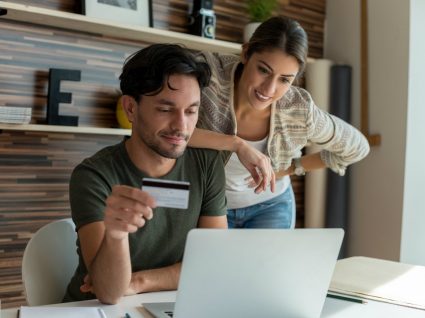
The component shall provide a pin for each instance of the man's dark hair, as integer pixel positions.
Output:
(146, 71)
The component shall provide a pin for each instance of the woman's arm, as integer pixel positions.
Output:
(309, 162)
(342, 144)
(202, 138)
(257, 163)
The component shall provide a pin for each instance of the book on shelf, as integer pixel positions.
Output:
(15, 114)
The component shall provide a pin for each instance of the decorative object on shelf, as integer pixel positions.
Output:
(137, 12)
(202, 20)
(122, 116)
(15, 114)
(258, 11)
(55, 96)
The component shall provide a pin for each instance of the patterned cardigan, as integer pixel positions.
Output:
(295, 121)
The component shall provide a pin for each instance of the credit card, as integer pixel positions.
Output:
(167, 193)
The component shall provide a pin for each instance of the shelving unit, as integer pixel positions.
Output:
(82, 23)
(66, 129)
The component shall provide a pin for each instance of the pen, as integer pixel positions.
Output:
(352, 299)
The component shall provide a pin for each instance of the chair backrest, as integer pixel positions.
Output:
(49, 261)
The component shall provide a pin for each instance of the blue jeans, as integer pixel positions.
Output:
(278, 212)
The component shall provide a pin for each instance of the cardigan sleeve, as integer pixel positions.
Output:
(216, 111)
(342, 144)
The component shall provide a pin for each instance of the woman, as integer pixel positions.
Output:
(251, 103)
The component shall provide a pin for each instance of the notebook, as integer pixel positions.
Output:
(62, 312)
(380, 280)
(254, 273)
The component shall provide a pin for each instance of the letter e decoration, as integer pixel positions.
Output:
(55, 96)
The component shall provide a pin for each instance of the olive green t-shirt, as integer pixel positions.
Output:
(161, 241)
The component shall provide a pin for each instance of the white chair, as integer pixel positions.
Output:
(49, 261)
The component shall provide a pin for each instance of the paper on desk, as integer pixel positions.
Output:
(380, 280)
(62, 312)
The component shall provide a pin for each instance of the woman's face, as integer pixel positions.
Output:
(266, 77)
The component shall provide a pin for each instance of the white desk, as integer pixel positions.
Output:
(332, 308)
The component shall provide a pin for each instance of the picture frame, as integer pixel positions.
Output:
(135, 12)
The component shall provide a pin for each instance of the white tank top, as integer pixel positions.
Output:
(238, 194)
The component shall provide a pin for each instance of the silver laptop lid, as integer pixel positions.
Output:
(256, 272)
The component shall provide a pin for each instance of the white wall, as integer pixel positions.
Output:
(413, 230)
(385, 187)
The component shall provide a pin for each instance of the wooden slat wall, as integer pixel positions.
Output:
(34, 175)
(29, 51)
(34, 166)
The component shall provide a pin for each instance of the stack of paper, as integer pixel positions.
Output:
(380, 280)
(61, 312)
(15, 115)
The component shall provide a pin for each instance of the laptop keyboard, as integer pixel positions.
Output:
(169, 313)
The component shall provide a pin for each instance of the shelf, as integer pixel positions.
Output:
(66, 129)
(78, 22)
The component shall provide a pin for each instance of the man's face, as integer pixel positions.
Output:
(165, 122)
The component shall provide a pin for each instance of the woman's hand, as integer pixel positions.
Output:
(258, 165)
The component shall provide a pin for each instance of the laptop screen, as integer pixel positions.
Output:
(256, 273)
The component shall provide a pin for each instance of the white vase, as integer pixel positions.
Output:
(249, 30)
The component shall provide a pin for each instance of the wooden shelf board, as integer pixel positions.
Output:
(66, 129)
(79, 22)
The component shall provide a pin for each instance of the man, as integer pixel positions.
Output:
(125, 243)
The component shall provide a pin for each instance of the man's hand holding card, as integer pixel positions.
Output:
(127, 209)
(168, 194)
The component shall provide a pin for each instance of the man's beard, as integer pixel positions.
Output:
(171, 154)
(174, 153)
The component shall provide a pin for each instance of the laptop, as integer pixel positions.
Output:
(253, 273)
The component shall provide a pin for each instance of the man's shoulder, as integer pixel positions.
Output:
(202, 153)
(102, 161)
(104, 155)
(202, 158)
